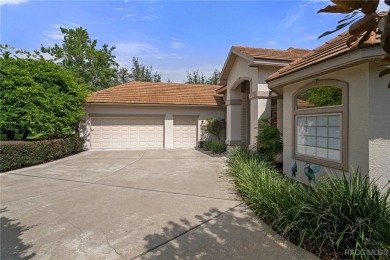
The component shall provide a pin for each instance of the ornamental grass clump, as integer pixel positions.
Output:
(339, 217)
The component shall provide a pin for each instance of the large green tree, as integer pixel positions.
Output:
(195, 77)
(37, 95)
(81, 55)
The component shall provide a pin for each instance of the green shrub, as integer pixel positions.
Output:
(18, 154)
(215, 126)
(207, 145)
(216, 147)
(269, 140)
(336, 215)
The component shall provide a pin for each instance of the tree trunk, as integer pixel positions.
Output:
(77, 128)
(10, 135)
(25, 134)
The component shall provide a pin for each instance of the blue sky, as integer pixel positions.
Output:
(172, 36)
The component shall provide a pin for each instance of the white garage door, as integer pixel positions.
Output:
(184, 132)
(127, 133)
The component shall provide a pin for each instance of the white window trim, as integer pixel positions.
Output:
(343, 110)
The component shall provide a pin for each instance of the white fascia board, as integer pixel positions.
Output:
(344, 61)
(268, 62)
(245, 57)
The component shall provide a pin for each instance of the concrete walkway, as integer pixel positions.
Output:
(164, 204)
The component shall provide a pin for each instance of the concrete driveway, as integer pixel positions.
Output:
(165, 204)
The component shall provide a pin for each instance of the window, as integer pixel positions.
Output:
(320, 123)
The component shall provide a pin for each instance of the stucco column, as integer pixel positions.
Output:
(233, 122)
(279, 107)
(168, 131)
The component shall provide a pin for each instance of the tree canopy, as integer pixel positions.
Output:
(38, 95)
(81, 55)
(195, 77)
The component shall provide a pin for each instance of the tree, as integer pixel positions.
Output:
(123, 75)
(38, 95)
(361, 27)
(215, 126)
(195, 78)
(80, 54)
(140, 72)
(213, 80)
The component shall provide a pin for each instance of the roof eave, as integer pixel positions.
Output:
(355, 57)
(258, 62)
(147, 104)
(232, 56)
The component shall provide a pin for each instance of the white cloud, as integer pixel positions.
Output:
(176, 45)
(272, 43)
(54, 35)
(12, 2)
(126, 51)
(292, 17)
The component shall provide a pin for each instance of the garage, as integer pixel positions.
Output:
(127, 133)
(185, 132)
(149, 115)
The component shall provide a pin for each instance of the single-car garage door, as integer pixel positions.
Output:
(127, 133)
(184, 132)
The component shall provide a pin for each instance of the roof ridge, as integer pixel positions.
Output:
(271, 49)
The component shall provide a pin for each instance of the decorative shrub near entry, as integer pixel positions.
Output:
(18, 154)
(337, 218)
(216, 147)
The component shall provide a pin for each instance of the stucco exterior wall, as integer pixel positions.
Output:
(379, 126)
(259, 107)
(239, 72)
(168, 112)
(358, 92)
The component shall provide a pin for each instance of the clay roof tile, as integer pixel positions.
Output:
(159, 93)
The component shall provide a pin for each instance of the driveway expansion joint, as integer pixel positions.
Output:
(116, 186)
(187, 231)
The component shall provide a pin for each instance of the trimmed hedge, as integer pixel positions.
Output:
(18, 154)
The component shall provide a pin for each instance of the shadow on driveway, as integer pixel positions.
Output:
(12, 246)
(233, 234)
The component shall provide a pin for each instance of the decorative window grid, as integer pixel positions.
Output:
(319, 136)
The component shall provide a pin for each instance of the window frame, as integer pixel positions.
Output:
(318, 111)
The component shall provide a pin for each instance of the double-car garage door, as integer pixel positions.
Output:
(141, 133)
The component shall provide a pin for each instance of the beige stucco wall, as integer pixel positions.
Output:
(168, 112)
(259, 107)
(358, 152)
(239, 72)
(379, 126)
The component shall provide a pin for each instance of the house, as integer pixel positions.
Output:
(350, 127)
(330, 104)
(246, 93)
(140, 115)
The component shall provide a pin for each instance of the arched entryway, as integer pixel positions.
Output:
(238, 109)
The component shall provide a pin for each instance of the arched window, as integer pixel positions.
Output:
(321, 123)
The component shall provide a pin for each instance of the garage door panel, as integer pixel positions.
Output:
(185, 132)
(127, 133)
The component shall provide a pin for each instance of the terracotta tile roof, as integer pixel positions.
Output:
(159, 93)
(262, 53)
(331, 49)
